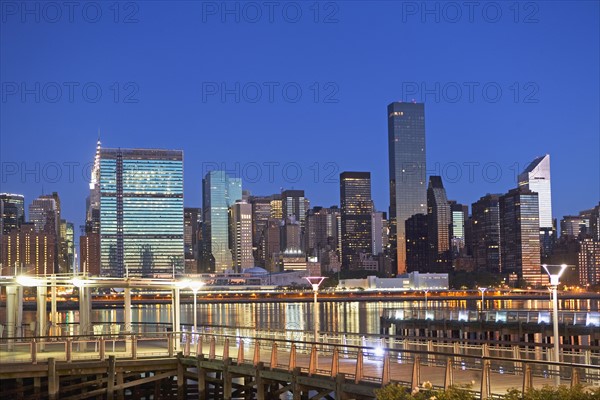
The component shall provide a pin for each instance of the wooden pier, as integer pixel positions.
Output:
(211, 366)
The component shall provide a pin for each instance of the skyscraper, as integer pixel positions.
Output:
(241, 235)
(141, 212)
(294, 204)
(536, 177)
(519, 235)
(322, 230)
(459, 215)
(485, 228)
(408, 193)
(44, 214)
(192, 218)
(12, 214)
(219, 192)
(438, 225)
(12, 211)
(417, 243)
(589, 262)
(261, 213)
(356, 213)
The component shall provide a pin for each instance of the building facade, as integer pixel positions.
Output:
(439, 219)
(192, 221)
(28, 251)
(240, 221)
(407, 171)
(323, 230)
(141, 212)
(485, 233)
(417, 243)
(519, 236)
(536, 177)
(589, 262)
(219, 192)
(294, 204)
(356, 216)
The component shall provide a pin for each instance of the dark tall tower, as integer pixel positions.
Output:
(485, 228)
(417, 243)
(192, 220)
(356, 210)
(408, 193)
(520, 237)
(438, 225)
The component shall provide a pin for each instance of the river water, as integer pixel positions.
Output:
(352, 316)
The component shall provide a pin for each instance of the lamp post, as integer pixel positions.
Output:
(315, 282)
(482, 290)
(555, 272)
(195, 286)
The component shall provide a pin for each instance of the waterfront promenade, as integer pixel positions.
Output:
(365, 362)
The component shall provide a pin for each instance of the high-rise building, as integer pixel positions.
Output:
(28, 251)
(438, 225)
(192, 219)
(240, 221)
(519, 236)
(45, 215)
(322, 231)
(291, 236)
(459, 214)
(262, 211)
(356, 216)
(270, 245)
(294, 204)
(377, 228)
(589, 262)
(66, 247)
(141, 212)
(89, 253)
(536, 177)
(595, 223)
(276, 207)
(408, 193)
(417, 243)
(12, 211)
(485, 233)
(574, 226)
(219, 192)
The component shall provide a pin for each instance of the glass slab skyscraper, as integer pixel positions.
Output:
(141, 212)
(219, 192)
(408, 190)
(536, 177)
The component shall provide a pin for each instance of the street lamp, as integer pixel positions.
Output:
(555, 272)
(482, 290)
(195, 286)
(315, 282)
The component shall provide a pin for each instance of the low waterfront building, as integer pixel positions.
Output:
(410, 281)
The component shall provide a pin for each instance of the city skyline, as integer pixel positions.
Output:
(546, 68)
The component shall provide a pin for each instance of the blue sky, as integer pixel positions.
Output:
(290, 96)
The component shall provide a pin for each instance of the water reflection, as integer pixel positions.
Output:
(349, 316)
